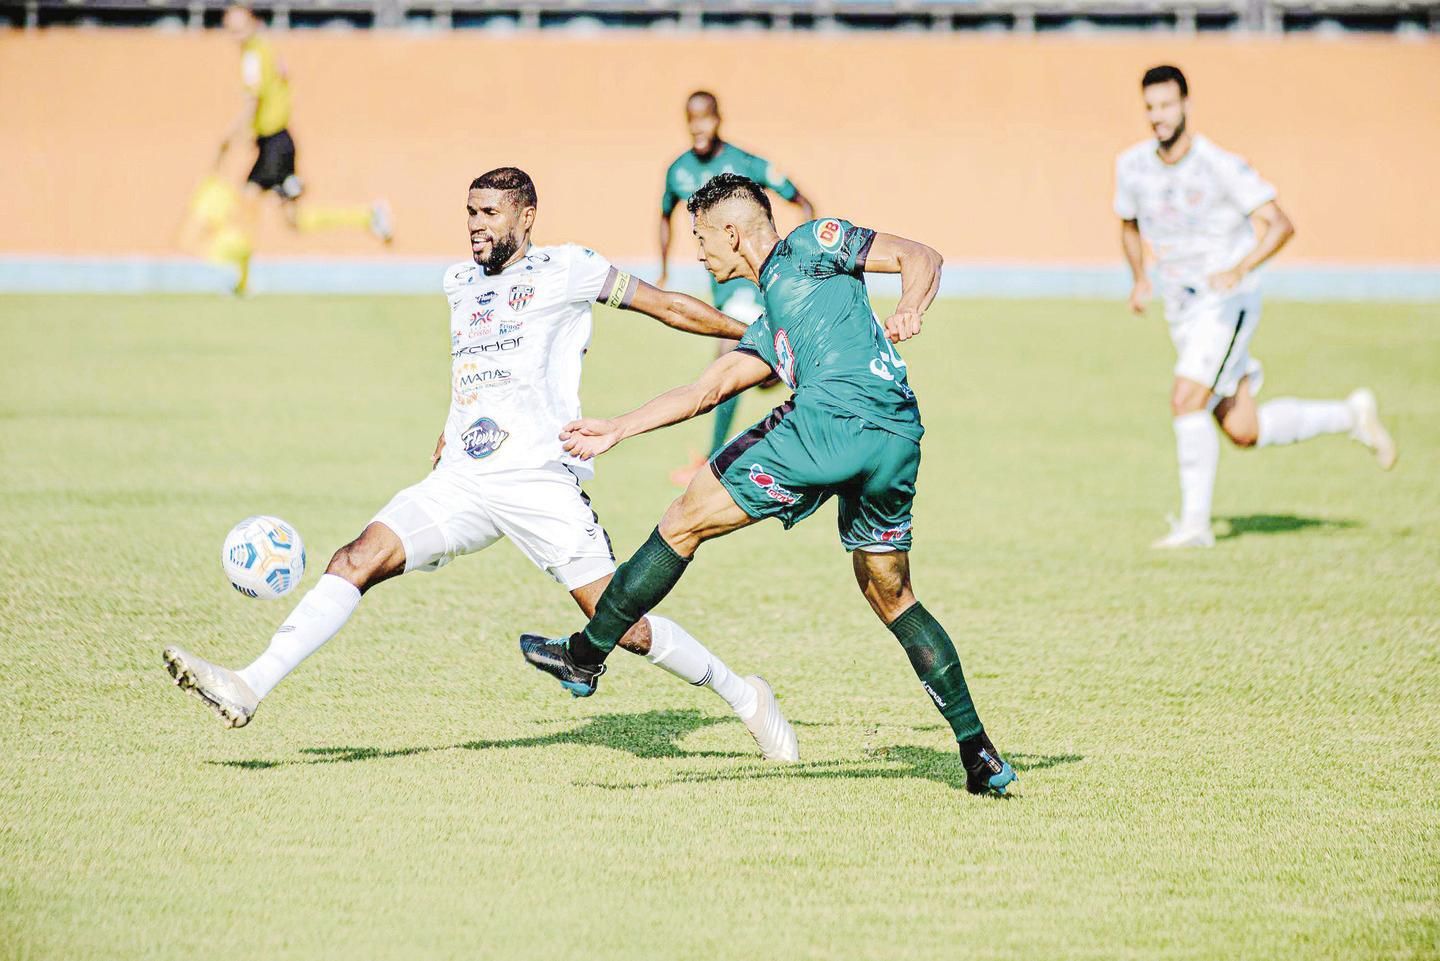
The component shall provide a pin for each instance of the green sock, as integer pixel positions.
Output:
(639, 584)
(724, 420)
(933, 657)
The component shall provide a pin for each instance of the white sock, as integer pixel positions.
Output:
(1286, 420)
(1197, 446)
(316, 619)
(672, 648)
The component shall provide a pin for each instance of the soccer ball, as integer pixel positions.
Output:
(263, 557)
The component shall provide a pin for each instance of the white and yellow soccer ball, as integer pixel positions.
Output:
(264, 557)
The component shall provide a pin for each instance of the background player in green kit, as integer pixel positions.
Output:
(710, 155)
(851, 431)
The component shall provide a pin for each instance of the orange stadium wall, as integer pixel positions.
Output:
(991, 149)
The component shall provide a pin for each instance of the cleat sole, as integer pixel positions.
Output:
(185, 680)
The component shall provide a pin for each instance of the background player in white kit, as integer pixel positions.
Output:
(1194, 203)
(519, 325)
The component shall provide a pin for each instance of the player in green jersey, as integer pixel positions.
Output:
(710, 155)
(851, 431)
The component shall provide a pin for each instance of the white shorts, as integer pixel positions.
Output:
(543, 511)
(744, 306)
(1212, 342)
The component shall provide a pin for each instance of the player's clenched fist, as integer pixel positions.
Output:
(902, 325)
(590, 437)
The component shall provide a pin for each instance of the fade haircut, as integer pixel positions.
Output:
(1165, 74)
(721, 188)
(708, 97)
(512, 180)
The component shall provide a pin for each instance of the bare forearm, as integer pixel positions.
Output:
(919, 278)
(1277, 234)
(664, 245)
(672, 407)
(1133, 249)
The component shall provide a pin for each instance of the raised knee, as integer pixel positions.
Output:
(354, 562)
(1244, 437)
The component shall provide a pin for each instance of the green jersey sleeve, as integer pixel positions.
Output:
(760, 341)
(766, 174)
(833, 246)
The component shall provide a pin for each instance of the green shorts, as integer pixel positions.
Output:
(798, 457)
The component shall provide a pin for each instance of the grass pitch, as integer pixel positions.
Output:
(1226, 754)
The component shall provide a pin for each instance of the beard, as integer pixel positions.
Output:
(1170, 141)
(500, 252)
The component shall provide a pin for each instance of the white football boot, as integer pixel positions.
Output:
(768, 726)
(1184, 535)
(1368, 429)
(220, 688)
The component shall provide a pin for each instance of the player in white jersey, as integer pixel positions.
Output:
(1194, 204)
(519, 326)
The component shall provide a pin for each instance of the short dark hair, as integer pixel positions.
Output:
(1165, 74)
(705, 95)
(722, 187)
(512, 180)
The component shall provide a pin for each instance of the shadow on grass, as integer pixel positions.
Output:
(653, 734)
(900, 761)
(1280, 524)
(656, 734)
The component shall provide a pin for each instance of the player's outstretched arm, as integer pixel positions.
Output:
(684, 312)
(919, 270)
(732, 373)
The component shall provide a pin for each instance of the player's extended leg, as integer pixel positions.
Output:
(1197, 448)
(706, 510)
(309, 218)
(669, 646)
(884, 579)
(374, 556)
(1289, 420)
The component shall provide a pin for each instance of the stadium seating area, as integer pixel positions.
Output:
(1019, 16)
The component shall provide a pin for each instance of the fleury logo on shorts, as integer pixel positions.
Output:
(885, 535)
(482, 438)
(520, 295)
(762, 478)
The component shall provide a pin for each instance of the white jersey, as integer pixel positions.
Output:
(1195, 214)
(517, 339)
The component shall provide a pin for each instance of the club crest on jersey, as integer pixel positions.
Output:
(888, 535)
(784, 358)
(482, 438)
(763, 479)
(828, 233)
(520, 295)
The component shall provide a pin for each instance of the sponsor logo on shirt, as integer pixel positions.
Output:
(486, 298)
(510, 326)
(828, 233)
(482, 322)
(482, 438)
(493, 347)
(520, 296)
(470, 379)
(762, 478)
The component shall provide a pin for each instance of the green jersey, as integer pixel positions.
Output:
(820, 334)
(689, 173)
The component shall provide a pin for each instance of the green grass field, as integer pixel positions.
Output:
(1225, 754)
